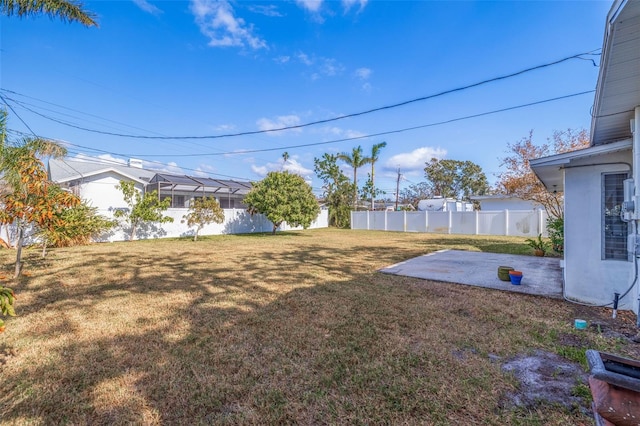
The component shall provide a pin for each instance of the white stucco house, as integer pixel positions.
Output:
(96, 182)
(601, 254)
(504, 202)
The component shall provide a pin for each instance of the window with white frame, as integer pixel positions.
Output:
(614, 230)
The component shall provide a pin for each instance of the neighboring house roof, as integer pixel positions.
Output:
(549, 169)
(65, 170)
(196, 183)
(618, 88)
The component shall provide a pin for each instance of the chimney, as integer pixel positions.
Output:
(134, 162)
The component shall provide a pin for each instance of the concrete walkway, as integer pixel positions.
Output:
(541, 275)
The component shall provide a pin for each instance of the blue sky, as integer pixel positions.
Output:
(203, 67)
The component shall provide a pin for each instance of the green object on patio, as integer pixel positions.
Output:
(503, 273)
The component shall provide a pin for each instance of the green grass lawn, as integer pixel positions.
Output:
(260, 329)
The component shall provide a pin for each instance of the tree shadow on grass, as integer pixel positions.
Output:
(309, 333)
(370, 349)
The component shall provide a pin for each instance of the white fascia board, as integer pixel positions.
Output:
(549, 170)
(567, 157)
(614, 12)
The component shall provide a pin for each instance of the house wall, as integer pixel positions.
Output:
(589, 278)
(100, 191)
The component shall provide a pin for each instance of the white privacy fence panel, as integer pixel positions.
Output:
(492, 223)
(463, 223)
(438, 222)
(523, 223)
(236, 221)
(415, 222)
(395, 222)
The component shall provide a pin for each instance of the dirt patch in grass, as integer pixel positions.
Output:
(545, 378)
(261, 329)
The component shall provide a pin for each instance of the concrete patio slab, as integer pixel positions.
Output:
(541, 275)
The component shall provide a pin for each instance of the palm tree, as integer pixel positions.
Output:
(67, 10)
(375, 154)
(355, 160)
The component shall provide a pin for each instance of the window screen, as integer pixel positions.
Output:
(614, 229)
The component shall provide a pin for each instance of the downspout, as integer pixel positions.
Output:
(635, 126)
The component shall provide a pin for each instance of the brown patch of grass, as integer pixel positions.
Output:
(293, 328)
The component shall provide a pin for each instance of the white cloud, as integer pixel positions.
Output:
(292, 165)
(224, 127)
(282, 59)
(310, 5)
(270, 10)
(217, 21)
(204, 170)
(337, 132)
(106, 159)
(304, 58)
(278, 123)
(148, 7)
(331, 67)
(328, 67)
(348, 4)
(363, 73)
(414, 160)
(171, 167)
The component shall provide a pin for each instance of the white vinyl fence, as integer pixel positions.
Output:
(236, 221)
(522, 223)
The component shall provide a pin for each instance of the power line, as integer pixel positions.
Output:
(17, 115)
(406, 129)
(124, 155)
(328, 120)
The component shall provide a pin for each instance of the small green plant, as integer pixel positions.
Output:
(582, 391)
(7, 297)
(555, 228)
(538, 243)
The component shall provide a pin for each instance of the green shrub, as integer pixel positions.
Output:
(555, 228)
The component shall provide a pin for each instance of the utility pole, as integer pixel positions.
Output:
(398, 188)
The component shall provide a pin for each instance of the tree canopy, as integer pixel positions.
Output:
(416, 192)
(283, 197)
(337, 190)
(455, 179)
(66, 10)
(355, 159)
(203, 211)
(519, 180)
(371, 182)
(28, 197)
(143, 208)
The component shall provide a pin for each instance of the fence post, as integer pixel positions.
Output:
(404, 221)
(450, 222)
(506, 222)
(426, 221)
(477, 222)
(385, 220)
(368, 227)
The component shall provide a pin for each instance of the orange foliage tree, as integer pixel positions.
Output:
(30, 198)
(519, 180)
